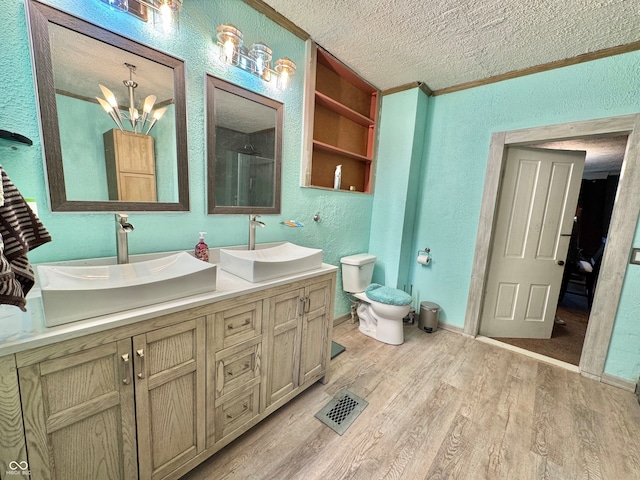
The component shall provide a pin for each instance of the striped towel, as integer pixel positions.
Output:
(20, 232)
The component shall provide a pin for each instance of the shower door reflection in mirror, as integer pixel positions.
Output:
(244, 150)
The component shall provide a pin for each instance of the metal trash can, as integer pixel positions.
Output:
(428, 320)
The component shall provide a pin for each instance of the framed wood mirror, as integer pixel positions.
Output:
(93, 164)
(244, 150)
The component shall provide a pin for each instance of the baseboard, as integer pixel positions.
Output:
(451, 328)
(622, 383)
(341, 319)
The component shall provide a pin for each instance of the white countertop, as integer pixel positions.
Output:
(21, 331)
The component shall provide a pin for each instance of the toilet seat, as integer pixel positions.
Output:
(387, 295)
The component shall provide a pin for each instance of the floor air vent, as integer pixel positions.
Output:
(341, 411)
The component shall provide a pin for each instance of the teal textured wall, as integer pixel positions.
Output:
(395, 148)
(456, 150)
(344, 228)
(623, 358)
(400, 151)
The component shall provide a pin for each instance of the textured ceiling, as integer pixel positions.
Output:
(449, 42)
(604, 155)
(80, 63)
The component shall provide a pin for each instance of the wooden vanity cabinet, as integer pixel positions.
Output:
(131, 166)
(152, 400)
(297, 335)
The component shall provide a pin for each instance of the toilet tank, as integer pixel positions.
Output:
(357, 271)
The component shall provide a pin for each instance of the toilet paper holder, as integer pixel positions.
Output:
(424, 257)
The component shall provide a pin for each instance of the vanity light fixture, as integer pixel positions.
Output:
(165, 11)
(256, 59)
(110, 105)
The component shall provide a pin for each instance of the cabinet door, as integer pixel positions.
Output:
(134, 187)
(130, 164)
(315, 330)
(79, 415)
(170, 377)
(283, 337)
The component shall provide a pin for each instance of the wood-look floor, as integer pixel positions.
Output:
(443, 406)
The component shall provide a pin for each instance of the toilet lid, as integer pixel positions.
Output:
(387, 295)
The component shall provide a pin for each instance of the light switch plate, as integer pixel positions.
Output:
(635, 256)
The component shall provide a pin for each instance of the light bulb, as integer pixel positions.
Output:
(229, 49)
(285, 69)
(148, 104)
(157, 115)
(260, 65)
(107, 108)
(109, 96)
(283, 80)
(165, 15)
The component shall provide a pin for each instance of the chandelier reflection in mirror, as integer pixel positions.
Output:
(256, 59)
(110, 105)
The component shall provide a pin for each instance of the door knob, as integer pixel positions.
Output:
(561, 262)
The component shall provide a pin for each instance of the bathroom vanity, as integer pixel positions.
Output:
(150, 393)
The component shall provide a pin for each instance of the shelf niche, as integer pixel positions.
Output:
(342, 125)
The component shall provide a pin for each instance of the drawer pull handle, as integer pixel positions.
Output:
(246, 322)
(127, 379)
(140, 354)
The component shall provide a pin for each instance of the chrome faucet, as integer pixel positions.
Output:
(123, 227)
(253, 223)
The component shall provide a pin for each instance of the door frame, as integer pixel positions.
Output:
(621, 231)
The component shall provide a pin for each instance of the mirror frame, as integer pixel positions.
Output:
(39, 18)
(213, 84)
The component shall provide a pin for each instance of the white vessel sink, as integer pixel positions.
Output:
(71, 293)
(268, 263)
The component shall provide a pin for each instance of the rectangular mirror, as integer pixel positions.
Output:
(128, 154)
(244, 150)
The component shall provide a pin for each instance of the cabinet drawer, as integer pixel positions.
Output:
(236, 411)
(236, 325)
(237, 366)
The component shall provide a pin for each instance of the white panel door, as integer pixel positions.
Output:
(535, 216)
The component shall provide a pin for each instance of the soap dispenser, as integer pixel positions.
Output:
(202, 249)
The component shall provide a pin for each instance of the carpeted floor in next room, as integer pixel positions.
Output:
(566, 340)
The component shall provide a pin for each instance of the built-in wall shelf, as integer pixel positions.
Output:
(341, 118)
(339, 108)
(340, 151)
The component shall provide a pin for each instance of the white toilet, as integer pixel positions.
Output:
(381, 309)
